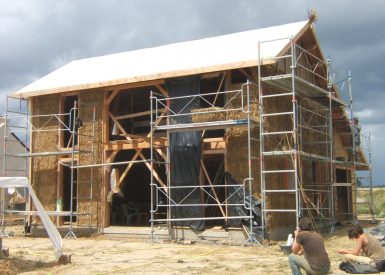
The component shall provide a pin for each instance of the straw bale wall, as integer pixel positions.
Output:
(88, 100)
(237, 142)
(44, 175)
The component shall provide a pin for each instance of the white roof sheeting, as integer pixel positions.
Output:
(199, 56)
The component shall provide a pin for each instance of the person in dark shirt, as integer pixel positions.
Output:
(315, 259)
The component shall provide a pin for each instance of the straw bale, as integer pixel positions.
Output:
(88, 100)
(237, 159)
(211, 114)
(45, 168)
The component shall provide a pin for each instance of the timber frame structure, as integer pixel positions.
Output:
(280, 123)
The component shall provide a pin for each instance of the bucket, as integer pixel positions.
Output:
(59, 205)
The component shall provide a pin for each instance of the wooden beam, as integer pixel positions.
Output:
(154, 173)
(111, 157)
(161, 153)
(119, 126)
(112, 96)
(157, 123)
(132, 136)
(105, 119)
(214, 152)
(137, 114)
(136, 84)
(117, 145)
(128, 168)
(105, 209)
(212, 188)
(246, 74)
(162, 90)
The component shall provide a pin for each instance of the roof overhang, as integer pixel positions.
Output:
(227, 52)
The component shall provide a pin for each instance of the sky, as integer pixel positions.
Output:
(39, 36)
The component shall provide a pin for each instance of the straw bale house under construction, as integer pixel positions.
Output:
(245, 132)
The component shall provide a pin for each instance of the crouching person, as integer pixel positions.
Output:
(368, 249)
(315, 259)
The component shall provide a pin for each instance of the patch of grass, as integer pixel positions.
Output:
(378, 201)
(40, 263)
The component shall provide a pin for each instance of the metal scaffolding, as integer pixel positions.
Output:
(27, 127)
(215, 118)
(300, 133)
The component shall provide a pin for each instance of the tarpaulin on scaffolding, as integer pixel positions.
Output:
(185, 154)
(245, 201)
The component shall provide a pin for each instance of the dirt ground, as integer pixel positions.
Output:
(103, 255)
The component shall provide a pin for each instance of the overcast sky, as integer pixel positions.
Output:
(38, 36)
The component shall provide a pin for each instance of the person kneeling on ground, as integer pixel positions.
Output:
(315, 260)
(368, 249)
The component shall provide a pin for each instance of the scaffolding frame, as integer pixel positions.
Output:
(359, 148)
(9, 138)
(160, 101)
(310, 77)
(21, 123)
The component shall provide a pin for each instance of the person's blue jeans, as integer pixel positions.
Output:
(297, 263)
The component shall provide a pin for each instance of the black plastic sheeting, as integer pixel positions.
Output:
(185, 154)
(238, 197)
